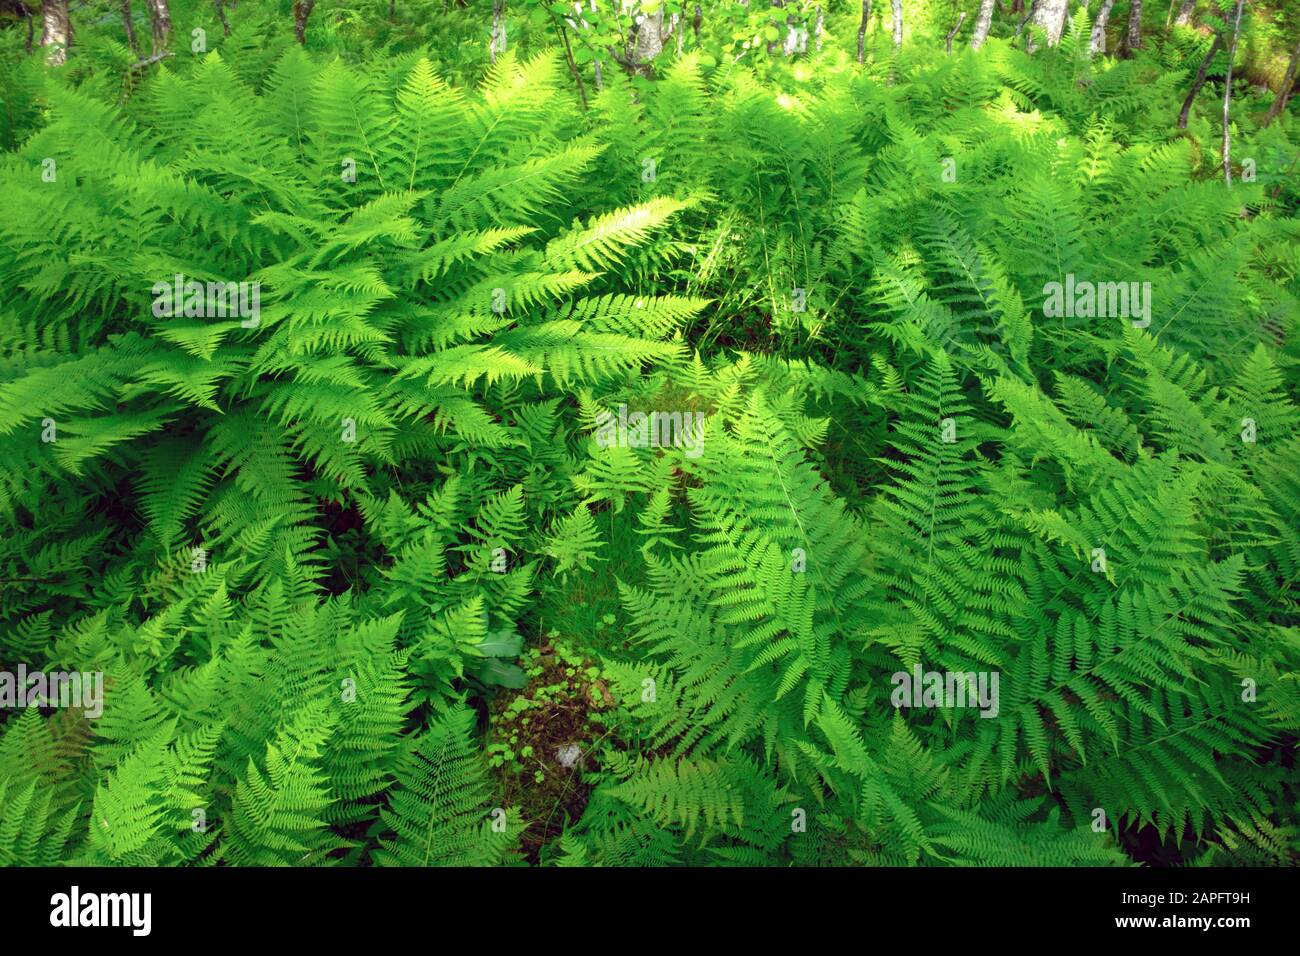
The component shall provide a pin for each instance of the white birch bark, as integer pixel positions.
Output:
(982, 23)
(56, 31)
(1134, 39)
(1050, 16)
(497, 43)
(160, 19)
(1227, 95)
(1097, 44)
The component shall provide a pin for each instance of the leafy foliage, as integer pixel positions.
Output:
(740, 378)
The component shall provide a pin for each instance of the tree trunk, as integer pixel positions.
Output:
(982, 23)
(1133, 39)
(129, 24)
(1199, 81)
(1227, 95)
(497, 44)
(301, 11)
(56, 31)
(796, 38)
(947, 41)
(1284, 91)
(1097, 42)
(862, 28)
(647, 41)
(1185, 12)
(160, 19)
(221, 15)
(31, 29)
(1050, 15)
(898, 23)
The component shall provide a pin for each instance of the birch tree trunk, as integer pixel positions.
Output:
(983, 21)
(648, 42)
(898, 23)
(1133, 40)
(1097, 42)
(160, 19)
(862, 28)
(1050, 15)
(1199, 81)
(796, 39)
(947, 40)
(497, 44)
(1284, 91)
(56, 31)
(1227, 95)
(1185, 12)
(301, 11)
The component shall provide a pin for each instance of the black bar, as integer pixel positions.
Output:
(586, 907)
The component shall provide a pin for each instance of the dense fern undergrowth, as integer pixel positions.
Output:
(380, 573)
